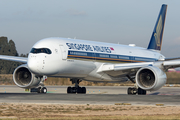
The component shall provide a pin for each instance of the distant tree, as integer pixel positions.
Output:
(24, 55)
(7, 48)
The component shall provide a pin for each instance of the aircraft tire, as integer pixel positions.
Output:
(134, 91)
(39, 90)
(83, 90)
(129, 91)
(44, 90)
(73, 90)
(79, 90)
(141, 91)
(144, 92)
(69, 90)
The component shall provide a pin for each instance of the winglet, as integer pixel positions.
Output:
(157, 35)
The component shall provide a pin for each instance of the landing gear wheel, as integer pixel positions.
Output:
(73, 89)
(39, 90)
(144, 93)
(79, 90)
(69, 90)
(131, 91)
(83, 90)
(76, 89)
(44, 90)
(141, 91)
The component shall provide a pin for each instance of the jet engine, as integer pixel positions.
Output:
(150, 78)
(23, 78)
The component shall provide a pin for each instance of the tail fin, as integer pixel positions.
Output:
(157, 35)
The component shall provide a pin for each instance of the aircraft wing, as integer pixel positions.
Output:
(14, 58)
(171, 64)
(127, 66)
(132, 68)
(122, 69)
(174, 58)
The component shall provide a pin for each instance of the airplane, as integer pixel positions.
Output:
(96, 62)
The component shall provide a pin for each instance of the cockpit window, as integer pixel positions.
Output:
(41, 50)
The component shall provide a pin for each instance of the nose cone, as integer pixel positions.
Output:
(33, 64)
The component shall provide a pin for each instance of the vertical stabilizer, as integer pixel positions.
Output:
(157, 35)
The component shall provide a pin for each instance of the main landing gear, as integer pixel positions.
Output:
(76, 89)
(134, 91)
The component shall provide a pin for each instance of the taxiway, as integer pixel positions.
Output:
(95, 95)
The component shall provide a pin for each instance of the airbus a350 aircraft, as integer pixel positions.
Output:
(95, 61)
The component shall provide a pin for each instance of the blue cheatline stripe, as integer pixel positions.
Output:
(107, 57)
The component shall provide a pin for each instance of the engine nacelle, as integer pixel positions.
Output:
(23, 78)
(150, 78)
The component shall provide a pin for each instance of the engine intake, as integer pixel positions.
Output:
(146, 78)
(150, 78)
(23, 78)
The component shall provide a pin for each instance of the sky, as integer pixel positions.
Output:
(114, 21)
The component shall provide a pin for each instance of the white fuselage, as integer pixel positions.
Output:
(74, 58)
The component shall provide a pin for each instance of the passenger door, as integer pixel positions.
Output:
(63, 52)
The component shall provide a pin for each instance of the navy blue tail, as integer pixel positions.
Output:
(157, 35)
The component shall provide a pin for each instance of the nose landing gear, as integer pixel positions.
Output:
(76, 89)
(40, 89)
